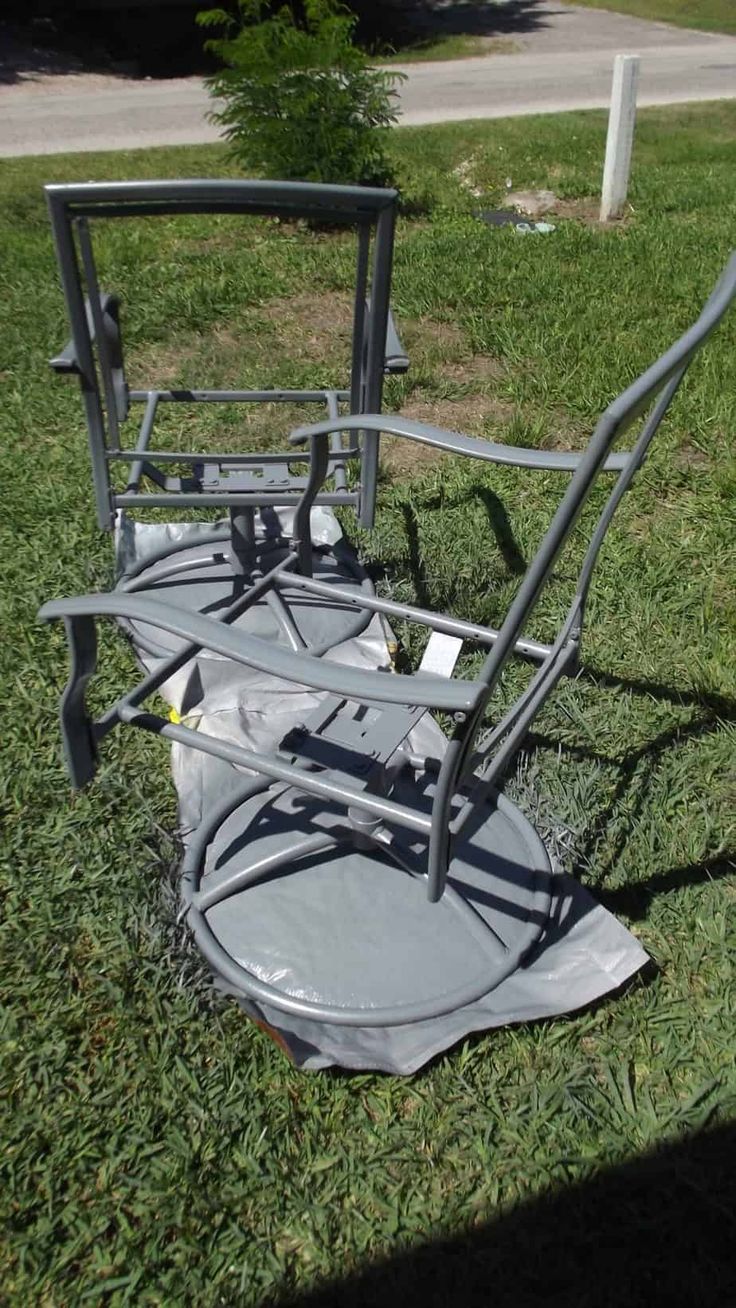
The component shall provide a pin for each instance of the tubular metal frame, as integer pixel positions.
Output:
(95, 351)
(466, 774)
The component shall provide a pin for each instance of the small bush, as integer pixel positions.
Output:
(300, 100)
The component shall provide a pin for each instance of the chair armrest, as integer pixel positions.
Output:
(66, 360)
(303, 669)
(454, 442)
(395, 359)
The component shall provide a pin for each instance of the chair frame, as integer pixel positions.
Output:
(94, 354)
(467, 774)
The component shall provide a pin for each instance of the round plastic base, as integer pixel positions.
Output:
(201, 579)
(345, 934)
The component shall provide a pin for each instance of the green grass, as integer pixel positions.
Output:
(161, 1150)
(451, 46)
(706, 15)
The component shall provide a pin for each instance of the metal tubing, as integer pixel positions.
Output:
(141, 446)
(80, 753)
(223, 499)
(175, 196)
(518, 709)
(438, 854)
(103, 353)
(154, 576)
(236, 397)
(302, 541)
(243, 543)
(380, 290)
(255, 872)
(237, 460)
(357, 404)
(356, 684)
(454, 442)
(514, 727)
(171, 665)
(70, 279)
(281, 613)
(450, 626)
(312, 783)
(337, 467)
(623, 482)
(151, 209)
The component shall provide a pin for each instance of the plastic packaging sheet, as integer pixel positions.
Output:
(583, 953)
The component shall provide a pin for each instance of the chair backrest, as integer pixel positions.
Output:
(651, 394)
(95, 351)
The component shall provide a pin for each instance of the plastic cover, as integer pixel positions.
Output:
(582, 954)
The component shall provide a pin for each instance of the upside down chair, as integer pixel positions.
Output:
(367, 871)
(262, 493)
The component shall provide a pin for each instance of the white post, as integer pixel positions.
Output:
(620, 136)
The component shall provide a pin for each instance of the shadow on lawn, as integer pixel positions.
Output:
(498, 521)
(637, 770)
(659, 1230)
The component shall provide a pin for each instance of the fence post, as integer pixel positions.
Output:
(620, 136)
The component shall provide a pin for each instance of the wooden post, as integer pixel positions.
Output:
(620, 136)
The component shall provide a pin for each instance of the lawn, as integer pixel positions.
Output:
(161, 1150)
(705, 15)
(455, 45)
(430, 43)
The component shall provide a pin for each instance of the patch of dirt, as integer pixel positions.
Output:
(535, 204)
(166, 364)
(477, 368)
(403, 458)
(467, 414)
(426, 334)
(319, 315)
(561, 432)
(586, 210)
(690, 458)
(314, 325)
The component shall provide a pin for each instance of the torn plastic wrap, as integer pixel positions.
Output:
(582, 954)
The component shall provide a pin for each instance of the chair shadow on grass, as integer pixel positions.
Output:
(658, 1230)
(498, 521)
(633, 786)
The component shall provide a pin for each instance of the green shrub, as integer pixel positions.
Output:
(300, 101)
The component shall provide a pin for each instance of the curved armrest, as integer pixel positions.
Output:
(303, 669)
(455, 442)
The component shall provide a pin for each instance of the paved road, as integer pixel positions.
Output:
(564, 62)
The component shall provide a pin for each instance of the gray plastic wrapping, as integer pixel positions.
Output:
(583, 953)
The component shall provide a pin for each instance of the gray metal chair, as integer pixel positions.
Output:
(348, 831)
(207, 575)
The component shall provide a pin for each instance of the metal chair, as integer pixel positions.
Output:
(209, 574)
(356, 878)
